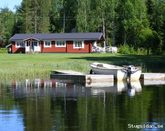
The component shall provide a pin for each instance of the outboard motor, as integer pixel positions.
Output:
(129, 72)
(131, 92)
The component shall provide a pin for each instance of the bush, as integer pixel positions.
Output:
(150, 40)
(126, 49)
(3, 50)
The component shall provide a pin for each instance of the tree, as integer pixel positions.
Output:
(1, 41)
(121, 21)
(42, 15)
(6, 25)
(56, 21)
(33, 16)
(110, 12)
(150, 11)
(63, 15)
(156, 16)
(150, 40)
(131, 20)
(26, 17)
(82, 16)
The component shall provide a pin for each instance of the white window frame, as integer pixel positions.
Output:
(76, 45)
(20, 44)
(27, 43)
(60, 45)
(35, 42)
(47, 46)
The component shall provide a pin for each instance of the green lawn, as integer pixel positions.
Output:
(21, 66)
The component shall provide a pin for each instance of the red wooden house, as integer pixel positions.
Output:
(56, 42)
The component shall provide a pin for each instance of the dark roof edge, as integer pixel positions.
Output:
(39, 36)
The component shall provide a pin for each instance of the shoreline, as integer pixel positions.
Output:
(22, 66)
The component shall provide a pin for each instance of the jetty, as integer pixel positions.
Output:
(101, 80)
(152, 76)
(77, 77)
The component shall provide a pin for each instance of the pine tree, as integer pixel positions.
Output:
(82, 16)
(56, 21)
(131, 20)
(6, 25)
(43, 15)
(26, 16)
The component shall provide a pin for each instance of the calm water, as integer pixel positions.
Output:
(50, 105)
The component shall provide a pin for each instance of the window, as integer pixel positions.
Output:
(78, 44)
(47, 43)
(60, 44)
(34, 43)
(27, 43)
(20, 44)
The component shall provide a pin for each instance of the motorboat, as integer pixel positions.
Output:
(120, 72)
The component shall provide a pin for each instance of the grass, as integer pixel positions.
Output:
(3, 50)
(23, 66)
(18, 66)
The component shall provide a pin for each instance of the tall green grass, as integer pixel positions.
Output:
(21, 66)
(3, 50)
(126, 49)
(29, 66)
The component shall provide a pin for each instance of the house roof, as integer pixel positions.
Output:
(59, 36)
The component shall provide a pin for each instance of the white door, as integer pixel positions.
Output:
(27, 46)
(32, 46)
(36, 46)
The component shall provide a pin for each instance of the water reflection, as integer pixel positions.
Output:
(119, 87)
(56, 88)
(53, 105)
(133, 88)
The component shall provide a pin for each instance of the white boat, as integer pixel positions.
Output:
(120, 73)
(131, 88)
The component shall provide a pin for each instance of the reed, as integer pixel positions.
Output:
(29, 66)
(25, 66)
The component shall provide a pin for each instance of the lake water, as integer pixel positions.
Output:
(51, 105)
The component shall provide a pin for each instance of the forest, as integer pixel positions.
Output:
(132, 24)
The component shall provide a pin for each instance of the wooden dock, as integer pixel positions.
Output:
(77, 77)
(153, 82)
(148, 79)
(152, 76)
(94, 80)
(70, 72)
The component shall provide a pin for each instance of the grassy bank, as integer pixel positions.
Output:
(21, 66)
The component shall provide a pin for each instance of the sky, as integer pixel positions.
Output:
(10, 4)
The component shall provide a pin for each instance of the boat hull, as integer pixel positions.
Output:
(136, 76)
(118, 72)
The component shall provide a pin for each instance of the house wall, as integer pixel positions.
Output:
(68, 49)
(52, 48)
(87, 47)
(17, 50)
